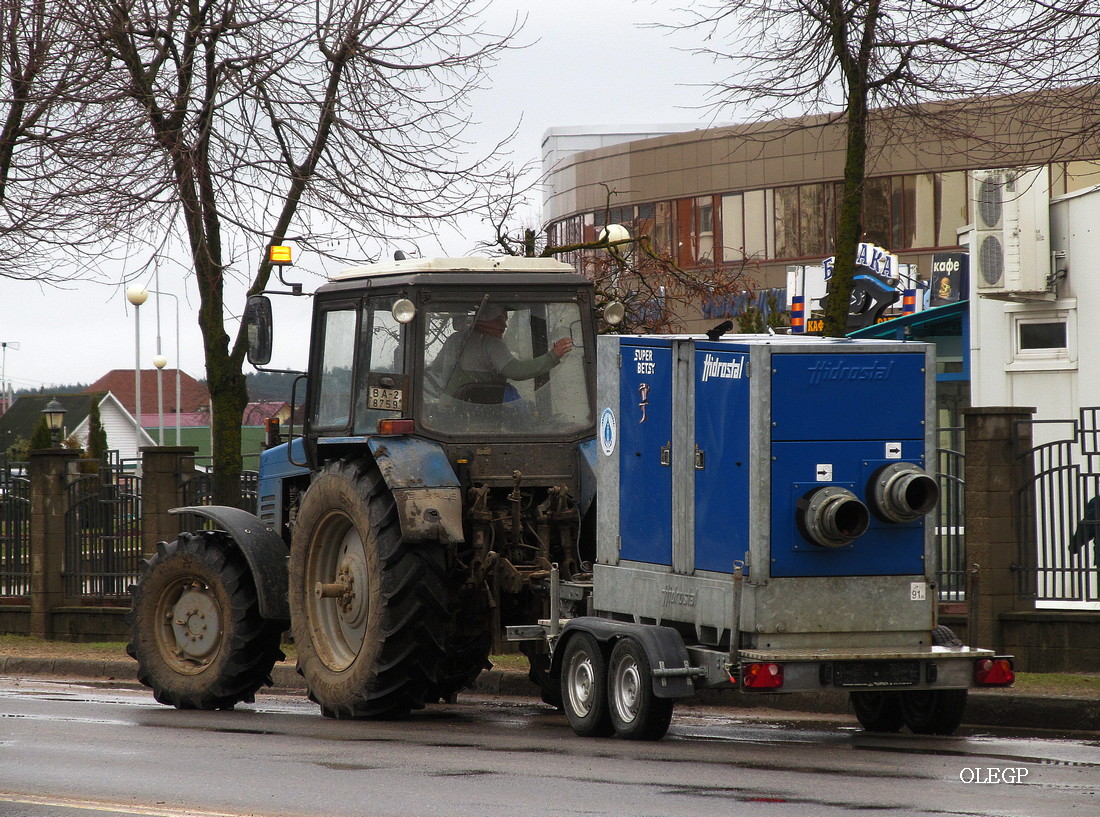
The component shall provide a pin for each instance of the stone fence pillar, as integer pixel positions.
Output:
(994, 478)
(166, 470)
(50, 470)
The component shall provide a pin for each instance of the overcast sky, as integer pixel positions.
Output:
(590, 63)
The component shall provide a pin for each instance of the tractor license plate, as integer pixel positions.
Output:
(876, 673)
(385, 399)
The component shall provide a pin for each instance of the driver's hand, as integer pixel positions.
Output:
(562, 347)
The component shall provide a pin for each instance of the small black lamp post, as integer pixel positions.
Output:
(55, 417)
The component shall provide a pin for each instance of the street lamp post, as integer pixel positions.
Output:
(179, 353)
(137, 295)
(159, 361)
(55, 418)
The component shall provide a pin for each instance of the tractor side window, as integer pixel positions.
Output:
(332, 408)
(382, 391)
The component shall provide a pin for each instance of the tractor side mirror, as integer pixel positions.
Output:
(257, 321)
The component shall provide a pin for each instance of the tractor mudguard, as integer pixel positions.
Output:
(263, 549)
(424, 486)
(664, 648)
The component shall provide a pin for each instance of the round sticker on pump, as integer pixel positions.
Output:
(608, 432)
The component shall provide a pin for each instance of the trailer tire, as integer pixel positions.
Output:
(933, 711)
(369, 610)
(196, 630)
(878, 711)
(636, 712)
(584, 687)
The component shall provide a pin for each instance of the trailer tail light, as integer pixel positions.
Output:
(994, 672)
(762, 676)
(398, 425)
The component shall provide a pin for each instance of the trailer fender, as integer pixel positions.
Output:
(263, 549)
(424, 486)
(664, 649)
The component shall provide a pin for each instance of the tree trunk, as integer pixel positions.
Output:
(850, 219)
(226, 383)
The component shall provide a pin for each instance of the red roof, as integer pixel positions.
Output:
(256, 413)
(120, 382)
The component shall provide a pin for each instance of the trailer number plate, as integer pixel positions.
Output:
(876, 673)
(385, 399)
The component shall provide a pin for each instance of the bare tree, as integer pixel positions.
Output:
(863, 62)
(657, 293)
(43, 70)
(227, 126)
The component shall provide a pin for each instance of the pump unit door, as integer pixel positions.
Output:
(645, 473)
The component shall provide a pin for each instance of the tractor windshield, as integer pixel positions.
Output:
(505, 367)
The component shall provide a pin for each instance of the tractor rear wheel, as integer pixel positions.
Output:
(196, 629)
(369, 610)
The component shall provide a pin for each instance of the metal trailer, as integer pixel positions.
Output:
(763, 525)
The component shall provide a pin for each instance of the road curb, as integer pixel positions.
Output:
(1002, 708)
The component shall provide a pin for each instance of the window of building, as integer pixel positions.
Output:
(695, 228)
(786, 222)
(811, 209)
(804, 221)
(1043, 338)
(903, 207)
(1041, 335)
(662, 228)
(876, 213)
(733, 229)
(703, 229)
(950, 207)
(756, 221)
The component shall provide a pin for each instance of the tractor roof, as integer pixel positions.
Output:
(412, 266)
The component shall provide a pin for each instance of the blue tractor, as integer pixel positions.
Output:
(444, 467)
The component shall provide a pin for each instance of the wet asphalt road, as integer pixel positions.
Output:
(78, 751)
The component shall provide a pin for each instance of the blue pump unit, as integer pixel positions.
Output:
(801, 460)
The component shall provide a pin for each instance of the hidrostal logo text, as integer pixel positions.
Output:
(823, 371)
(732, 369)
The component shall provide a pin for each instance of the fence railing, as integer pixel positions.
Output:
(1059, 517)
(951, 515)
(15, 529)
(103, 546)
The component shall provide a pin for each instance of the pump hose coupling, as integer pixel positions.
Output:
(832, 516)
(902, 492)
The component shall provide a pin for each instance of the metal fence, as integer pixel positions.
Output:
(199, 490)
(15, 529)
(1059, 510)
(103, 546)
(951, 515)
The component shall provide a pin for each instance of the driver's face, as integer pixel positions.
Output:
(494, 326)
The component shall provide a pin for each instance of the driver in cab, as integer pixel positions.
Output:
(486, 364)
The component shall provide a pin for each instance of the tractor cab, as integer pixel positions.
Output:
(453, 350)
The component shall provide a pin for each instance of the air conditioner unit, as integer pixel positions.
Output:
(1010, 252)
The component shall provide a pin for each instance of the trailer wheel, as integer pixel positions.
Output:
(584, 687)
(369, 610)
(933, 712)
(196, 630)
(878, 711)
(636, 713)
